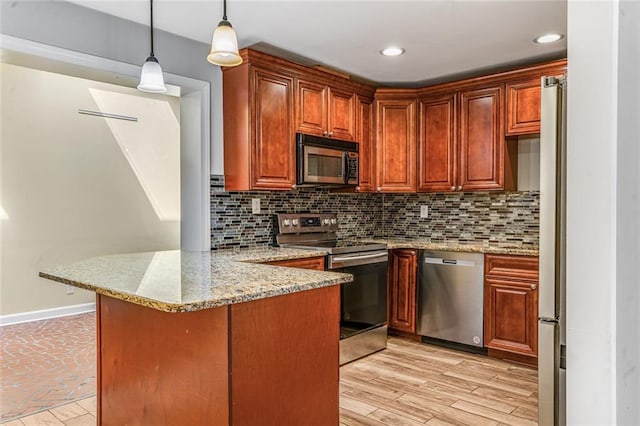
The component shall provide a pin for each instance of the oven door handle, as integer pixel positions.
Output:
(337, 262)
(360, 257)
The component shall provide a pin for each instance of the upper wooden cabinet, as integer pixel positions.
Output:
(523, 107)
(364, 119)
(266, 100)
(438, 143)
(523, 99)
(325, 111)
(259, 145)
(482, 144)
(396, 145)
(461, 144)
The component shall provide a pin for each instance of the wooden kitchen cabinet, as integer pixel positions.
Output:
(316, 263)
(438, 143)
(259, 145)
(325, 111)
(523, 107)
(366, 146)
(402, 290)
(511, 307)
(482, 142)
(396, 145)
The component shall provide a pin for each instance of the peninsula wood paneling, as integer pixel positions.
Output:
(285, 359)
(137, 377)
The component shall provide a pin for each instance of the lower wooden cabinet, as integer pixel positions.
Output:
(511, 307)
(316, 263)
(402, 287)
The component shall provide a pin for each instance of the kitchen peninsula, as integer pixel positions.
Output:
(211, 338)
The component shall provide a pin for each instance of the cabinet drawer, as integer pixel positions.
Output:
(514, 267)
(316, 263)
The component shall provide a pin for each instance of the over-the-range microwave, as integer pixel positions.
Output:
(326, 161)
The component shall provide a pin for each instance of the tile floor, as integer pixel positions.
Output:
(46, 363)
(409, 383)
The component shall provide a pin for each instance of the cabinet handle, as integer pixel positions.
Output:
(325, 133)
(330, 134)
(293, 186)
(453, 188)
(534, 286)
(459, 187)
(357, 188)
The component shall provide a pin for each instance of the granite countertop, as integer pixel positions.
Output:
(183, 281)
(489, 248)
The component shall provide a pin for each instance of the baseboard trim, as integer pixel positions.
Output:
(46, 314)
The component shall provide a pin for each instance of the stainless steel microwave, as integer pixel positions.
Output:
(326, 161)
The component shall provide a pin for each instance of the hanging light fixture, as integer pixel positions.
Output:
(224, 46)
(151, 79)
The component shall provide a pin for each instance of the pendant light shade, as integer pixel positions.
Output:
(151, 78)
(224, 45)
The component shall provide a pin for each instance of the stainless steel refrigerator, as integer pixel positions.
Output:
(551, 296)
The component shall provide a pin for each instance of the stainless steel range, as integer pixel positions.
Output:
(363, 302)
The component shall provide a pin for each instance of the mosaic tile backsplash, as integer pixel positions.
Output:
(505, 217)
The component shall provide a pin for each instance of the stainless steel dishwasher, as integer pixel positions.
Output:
(450, 297)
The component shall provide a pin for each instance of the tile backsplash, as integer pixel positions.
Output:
(504, 217)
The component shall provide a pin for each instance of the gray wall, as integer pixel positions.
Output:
(77, 28)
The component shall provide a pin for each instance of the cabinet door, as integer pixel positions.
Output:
(316, 263)
(342, 115)
(437, 144)
(366, 148)
(402, 290)
(511, 309)
(482, 145)
(523, 107)
(396, 146)
(273, 148)
(311, 108)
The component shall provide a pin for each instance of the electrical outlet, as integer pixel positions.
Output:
(424, 211)
(255, 205)
(70, 289)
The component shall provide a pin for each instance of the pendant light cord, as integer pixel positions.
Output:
(151, 24)
(224, 10)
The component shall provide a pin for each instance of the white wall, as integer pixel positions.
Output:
(73, 27)
(602, 213)
(75, 186)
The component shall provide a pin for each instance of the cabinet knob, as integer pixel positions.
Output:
(293, 186)
(330, 133)
(357, 188)
(459, 187)
(325, 133)
(534, 286)
(378, 189)
(453, 188)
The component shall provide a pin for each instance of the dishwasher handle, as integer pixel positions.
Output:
(449, 262)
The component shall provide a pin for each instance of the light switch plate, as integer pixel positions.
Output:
(424, 211)
(255, 205)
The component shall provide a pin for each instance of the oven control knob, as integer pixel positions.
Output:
(286, 222)
(334, 221)
(294, 222)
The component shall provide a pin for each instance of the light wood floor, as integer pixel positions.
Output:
(410, 383)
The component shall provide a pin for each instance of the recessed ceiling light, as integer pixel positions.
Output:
(392, 51)
(548, 38)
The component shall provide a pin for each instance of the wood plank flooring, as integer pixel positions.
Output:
(409, 383)
(413, 383)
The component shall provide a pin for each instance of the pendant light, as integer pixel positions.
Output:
(151, 79)
(224, 46)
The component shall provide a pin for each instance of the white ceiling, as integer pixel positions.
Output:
(442, 38)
